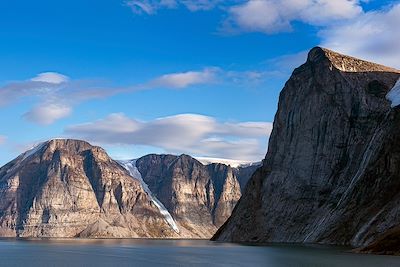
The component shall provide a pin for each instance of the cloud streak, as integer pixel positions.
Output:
(185, 133)
(184, 79)
(56, 94)
(150, 7)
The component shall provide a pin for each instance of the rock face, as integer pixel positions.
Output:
(199, 197)
(332, 171)
(68, 188)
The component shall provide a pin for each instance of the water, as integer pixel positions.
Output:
(134, 252)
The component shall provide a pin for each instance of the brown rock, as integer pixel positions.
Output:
(199, 197)
(68, 188)
(332, 171)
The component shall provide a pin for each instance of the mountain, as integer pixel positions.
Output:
(199, 197)
(69, 188)
(332, 171)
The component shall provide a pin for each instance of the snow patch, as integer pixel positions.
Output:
(232, 162)
(394, 94)
(33, 150)
(130, 166)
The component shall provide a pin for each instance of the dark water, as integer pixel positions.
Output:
(107, 252)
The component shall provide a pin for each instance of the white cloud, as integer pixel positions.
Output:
(184, 79)
(48, 113)
(185, 133)
(2, 139)
(272, 16)
(50, 77)
(374, 36)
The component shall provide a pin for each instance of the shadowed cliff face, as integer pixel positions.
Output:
(68, 188)
(199, 197)
(331, 174)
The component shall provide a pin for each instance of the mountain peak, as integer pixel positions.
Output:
(73, 146)
(344, 62)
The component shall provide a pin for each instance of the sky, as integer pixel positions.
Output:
(171, 76)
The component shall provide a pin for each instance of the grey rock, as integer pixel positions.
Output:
(332, 171)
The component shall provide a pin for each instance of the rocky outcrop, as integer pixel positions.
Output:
(199, 197)
(332, 171)
(68, 188)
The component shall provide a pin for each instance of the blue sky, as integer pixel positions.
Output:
(196, 77)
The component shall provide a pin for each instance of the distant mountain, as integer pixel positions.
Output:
(332, 171)
(231, 162)
(68, 188)
(198, 196)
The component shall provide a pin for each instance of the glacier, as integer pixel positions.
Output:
(130, 166)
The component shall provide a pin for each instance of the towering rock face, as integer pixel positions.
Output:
(199, 197)
(68, 188)
(332, 171)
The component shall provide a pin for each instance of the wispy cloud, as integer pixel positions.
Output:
(185, 133)
(50, 77)
(184, 79)
(151, 7)
(47, 113)
(56, 94)
(374, 35)
(196, 5)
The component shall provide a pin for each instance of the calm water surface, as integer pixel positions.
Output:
(133, 252)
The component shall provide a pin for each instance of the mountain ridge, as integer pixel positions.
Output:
(69, 188)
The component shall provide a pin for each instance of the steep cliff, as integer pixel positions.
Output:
(332, 171)
(199, 197)
(68, 188)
